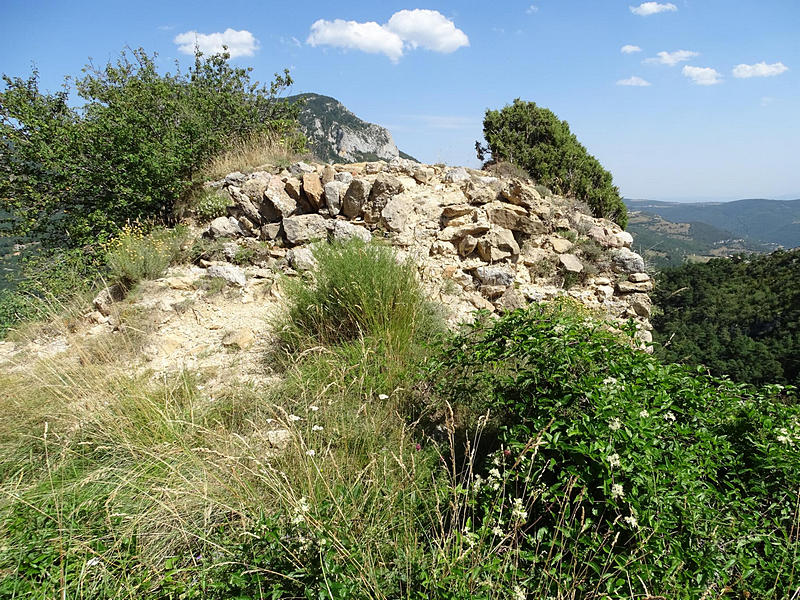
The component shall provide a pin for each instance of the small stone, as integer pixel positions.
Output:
(571, 263)
(328, 174)
(629, 287)
(270, 231)
(642, 307)
(277, 203)
(494, 277)
(638, 277)
(396, 214)
(279, 438)
(511, 300)
(455, 175)
(107, 297)
(230, 273)
(239, 338)
(627, 261)
(559, 244)
(235, 178)
(457, 210)
(625, 238)
(301, 259)
(344, 177)
(224, 227)
(299, 168)
(467, 245)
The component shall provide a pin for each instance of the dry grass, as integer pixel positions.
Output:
(250, 154)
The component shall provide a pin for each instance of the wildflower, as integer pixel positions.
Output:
(313, 408)
(615, 424)
(478, 482)
(383, 397)
(613, 460)
(300, 511)
(317, 428)
(418, 447)
(609, 381)
(644, 414)
(617, 491)
(94, 561)
(518, 593)
(310, 452)
(669, 417)
(518, 511)
(295, 418)
(632, 522)
(494, 473)
(498, 531)
(784, 438)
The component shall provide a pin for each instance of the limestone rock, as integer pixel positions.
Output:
(301, 259)
(559, 244)
(629, 287)
(571, 263)
(312, 187)
(255, 187)
(244, 205)
(497, 244)
(627, 261)
(455, 175)
(343, 231)
(293, 188)
(328, 174)
(344, 177)
(457, 210)
(239, 338)
(604, 237)
(301, 229)
(224, 227)
(355, 198)
(235, 178)
(270, 231)
(107, 297)
(625, 239)
(494, 276)
(511, 300)
(230, 273)
(423, 174)
(396, 214)
(521, 193)
(642, 306)
(467, 245)
(277, 203)
(384, 188)
(514, 218)
(372, 168)
(299, 168)
(638, 277)
(479, 193)
(334, 192)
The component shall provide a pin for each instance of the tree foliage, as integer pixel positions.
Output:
(739, 317)
(537, 140)
(76, 175)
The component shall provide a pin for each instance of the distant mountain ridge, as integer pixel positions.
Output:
(337, 135)
(754, 219)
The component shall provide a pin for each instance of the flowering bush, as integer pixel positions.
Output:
(135, 255)
(640, 477)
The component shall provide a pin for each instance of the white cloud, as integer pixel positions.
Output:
(645, 9)
(427, 29)
(672, 58)
(406, 29)
(761, 69)
(634, 82)
(367, 37)
(767, 100)
(532, 9)
(702, 75)
(239, 43)
(630, 49)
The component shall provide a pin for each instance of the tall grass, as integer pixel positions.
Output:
(252, 152)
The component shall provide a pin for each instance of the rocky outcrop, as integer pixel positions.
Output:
(479, 241)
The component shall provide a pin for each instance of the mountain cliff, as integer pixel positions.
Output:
(337, 135)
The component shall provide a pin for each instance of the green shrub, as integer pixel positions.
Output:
(535, 139)
(75, 175)
(134, 255)
(620, 475)
(357, 290)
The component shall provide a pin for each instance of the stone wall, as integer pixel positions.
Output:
(480, 241)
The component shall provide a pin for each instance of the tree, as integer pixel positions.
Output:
(73, 176)
(535, 139)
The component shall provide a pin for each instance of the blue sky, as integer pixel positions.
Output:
(720, 118)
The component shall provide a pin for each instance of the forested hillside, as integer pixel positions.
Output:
(740, 317)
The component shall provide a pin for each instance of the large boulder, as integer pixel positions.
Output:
(301, 259)
(396, 214)
(570, 263)
(514, 218)
(244, 205)
(301, 229)
(521, 193)
(497, 244)
(455, 175)
(255, 187)
(224, 227)
(627, 261)
(355, 198)
(343, 231)
(494, 276)
(277, 204)
(299, 168)
(230, 273)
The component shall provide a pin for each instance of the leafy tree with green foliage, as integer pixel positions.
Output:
(739, 317)
(535, 139)
(73, 176)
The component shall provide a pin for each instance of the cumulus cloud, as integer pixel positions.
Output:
(702, 75)
(761, 69)
(630, 49)
(672, 58)
(645, 9)
(406, 29)
(239, 43)
(367, 37)
(532, 9)
(634, 82)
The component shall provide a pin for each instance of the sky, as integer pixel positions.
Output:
(683, 100)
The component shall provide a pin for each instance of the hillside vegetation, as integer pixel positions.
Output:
(739, 317)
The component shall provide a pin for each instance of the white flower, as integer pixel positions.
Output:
(784, 437)
(518, 593)
(613, 460)
(383, 397)
(494, 474)
(518, 511)
(310, 452)
(669, 417)
(632, 522)
(617, 491)
(93, 561)
(498, 531)
(313, 408)
(610, 381)
(317, 428)
(300, 511)
(295, 418)
(615, 424)
(478, 482)
(644, 414)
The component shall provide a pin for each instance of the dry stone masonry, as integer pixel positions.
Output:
(479, 241)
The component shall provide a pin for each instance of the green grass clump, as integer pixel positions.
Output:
(358, 290)
(134, 255)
